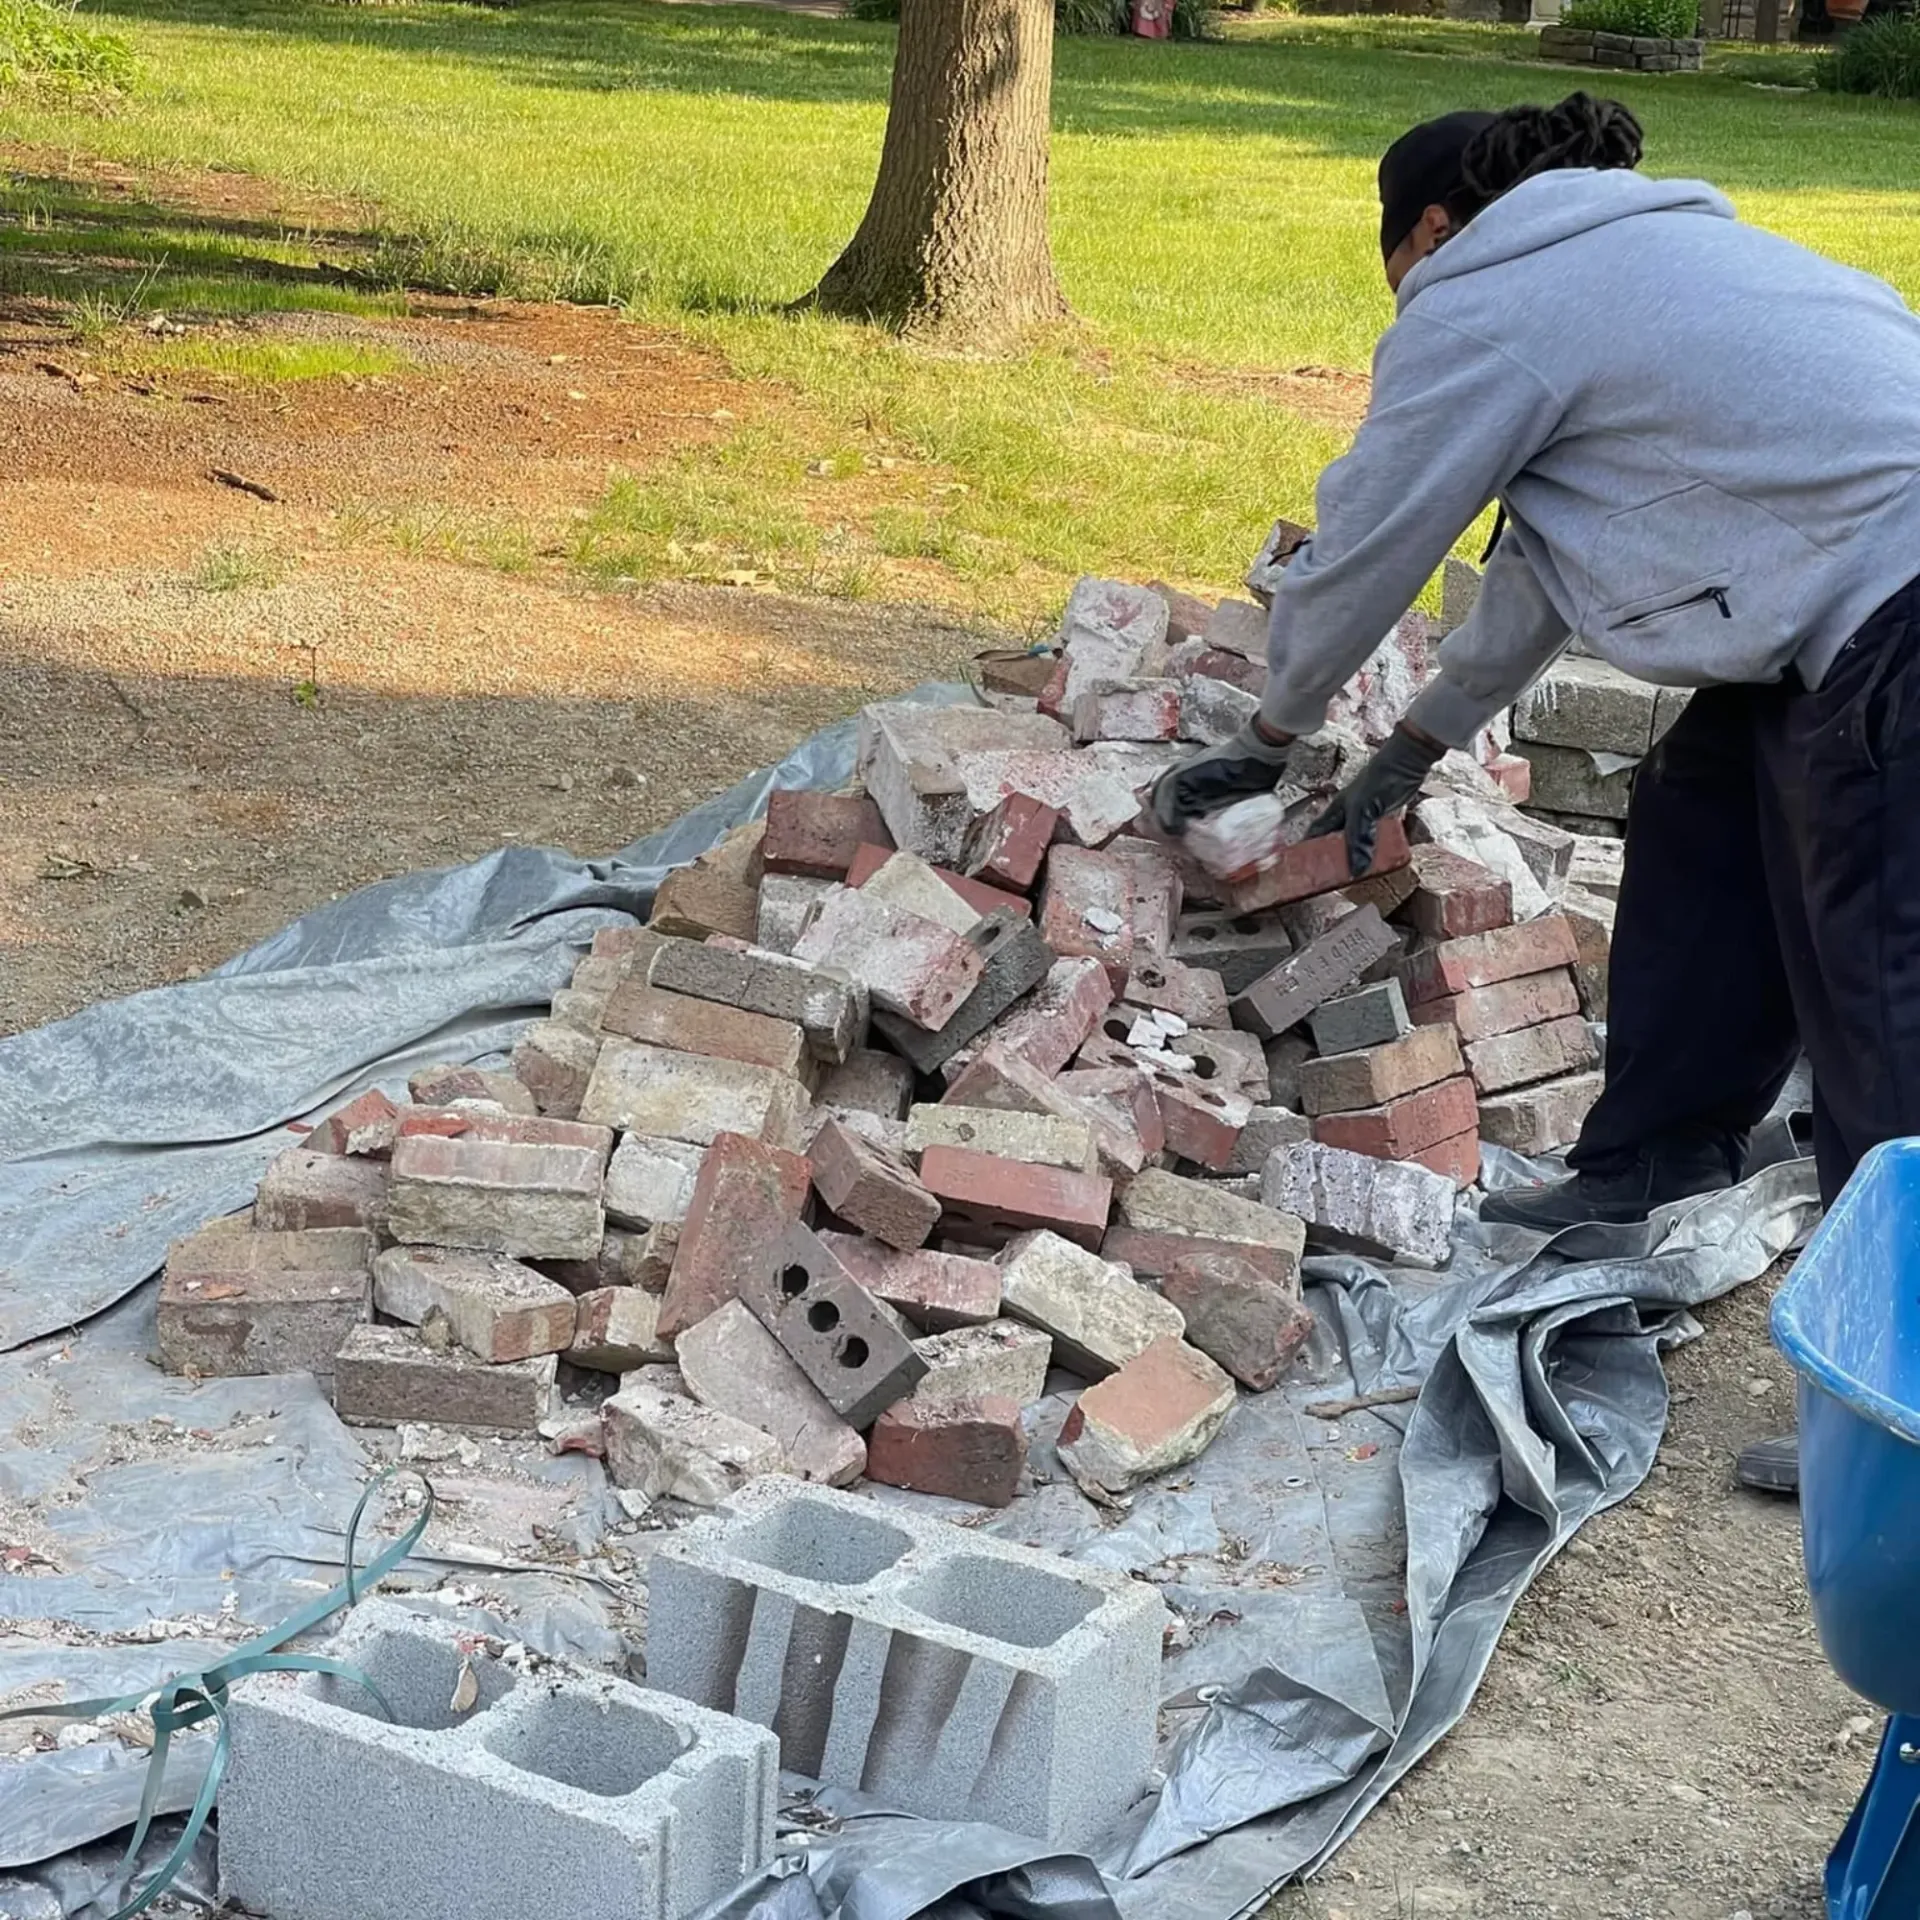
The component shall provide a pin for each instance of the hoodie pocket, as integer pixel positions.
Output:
(1705, 595)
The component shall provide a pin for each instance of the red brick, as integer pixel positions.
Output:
(1080, 882)
(1187, 614)
(1197, 994)
(1159, 1411)
(1401, 1128)
(507, 1129)
(935, 1291)
(1216, 663)
(1483, 959)
(442, 1086)
(1025, 674)
(366, 1125)
(1533, 1053)
(1137, 710)
(1507, 1005)
(1372, 1076)
(705, 898)
(1458, 1158)
(555, 1062)
(688, 1025)
(1125, 1095)
(1201, 1123)
(1453, 896)
(972, 1450)
(1238, 1316)
(978, 894)
(993, 1199)
(746, 1197)
(818, 834)
(1317, 866)
(874, 1190)
(1007, 845)
(1046, 1029)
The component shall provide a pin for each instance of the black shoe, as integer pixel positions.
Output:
(1614, 1197)
(1770, 1466)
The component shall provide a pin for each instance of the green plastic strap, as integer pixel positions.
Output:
(190, 1700)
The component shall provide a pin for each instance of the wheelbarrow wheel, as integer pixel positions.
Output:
(1771, 1466)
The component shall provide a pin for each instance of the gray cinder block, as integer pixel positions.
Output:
(949, 1674)
(492, 1788)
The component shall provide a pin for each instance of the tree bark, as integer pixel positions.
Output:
(955, 237)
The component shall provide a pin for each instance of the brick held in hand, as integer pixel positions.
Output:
(1317, 866)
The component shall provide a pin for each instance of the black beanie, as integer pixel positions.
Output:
(1421, 170)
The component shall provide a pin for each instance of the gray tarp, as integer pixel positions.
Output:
(1339, 1587)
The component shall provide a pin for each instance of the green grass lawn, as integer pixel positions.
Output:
(1213, 220)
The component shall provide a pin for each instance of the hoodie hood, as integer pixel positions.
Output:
(1553, 207)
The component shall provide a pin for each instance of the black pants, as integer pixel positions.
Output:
(1770, 901)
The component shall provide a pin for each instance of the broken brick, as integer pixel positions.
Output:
(1006, 846)
(302, 1190)
(910, 965)
(616, 1330)
(1131, 709)
(871, 1082)
(554, 1062)
(1162, 1409)
(366, 1125)
(1199, 1123)
(496, 1308)
(650, 1182)
(444, 1086)
(972, 1450)
(664, 1446)
(1014, 960)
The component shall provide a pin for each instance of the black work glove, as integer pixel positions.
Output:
(1251, 762)
(1388, 782)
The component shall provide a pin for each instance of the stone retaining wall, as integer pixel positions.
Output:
(1579, 47)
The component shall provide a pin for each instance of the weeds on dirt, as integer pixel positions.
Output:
(272, 359)
(234, 569)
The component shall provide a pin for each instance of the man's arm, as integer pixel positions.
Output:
(1453, 420)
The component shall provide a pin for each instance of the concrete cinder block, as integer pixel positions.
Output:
(656, 1807)
(933, 1668)
(531, 1202)
(234, 1300)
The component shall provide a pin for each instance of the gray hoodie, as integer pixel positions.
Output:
(1707, 440)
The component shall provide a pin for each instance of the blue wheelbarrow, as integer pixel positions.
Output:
(1849, 1320)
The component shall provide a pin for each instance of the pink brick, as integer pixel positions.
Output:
(1197, 994)
(1504, 1007)
(1048, 1027)
(1080, 883)
(1401, 1128)
(1483, 959)
(873, 1189)
(1453, 896)
(972, 1450)
(687, 1025)
(1372, 1076)
(818, 834)
(505, 1129)
(980, 895)
(1317, 866)
(991, 1199)
(936, 1291)
(1533, 1053)
(911, 966)
(366, 1125)
(1007, 845)
(1126, 1096)
(1513, 774)
(1458, 1158)
(1140, 710)
(634, 945)
(746, 1197)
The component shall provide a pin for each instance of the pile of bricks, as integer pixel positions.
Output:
(907, 1094)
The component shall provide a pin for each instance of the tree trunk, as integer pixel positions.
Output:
(955, 237)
